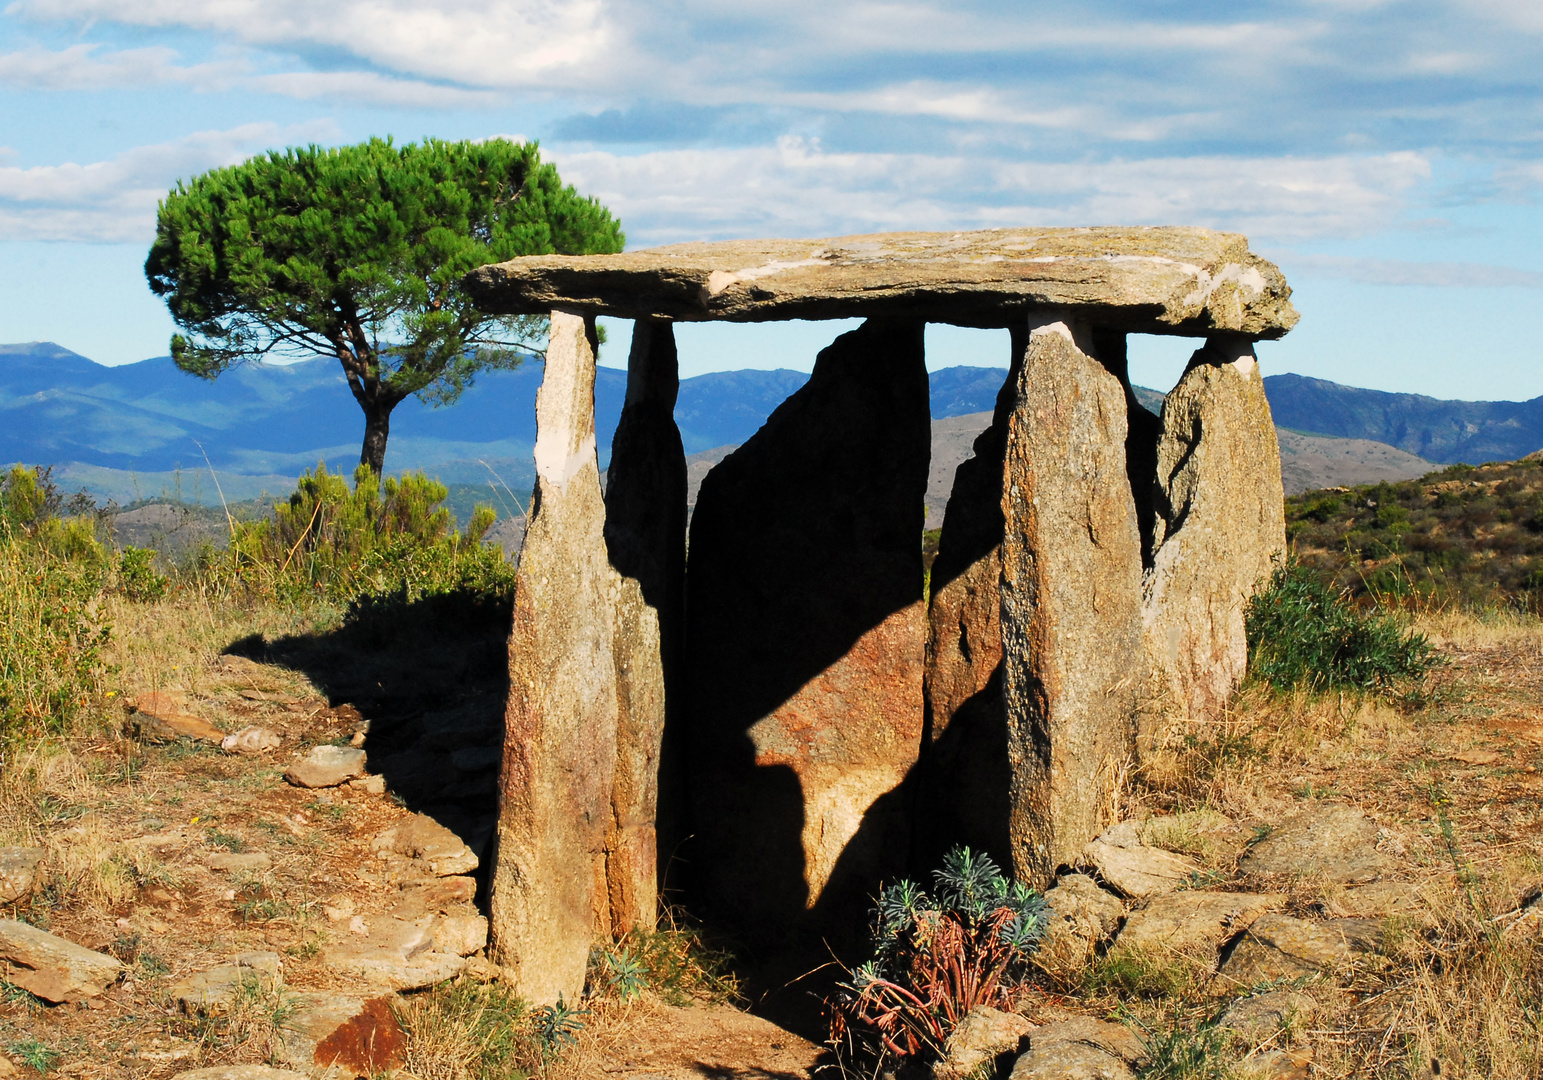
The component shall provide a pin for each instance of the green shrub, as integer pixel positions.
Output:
(379, 544)
(137, 577)
(51, 634)
(1304, 633)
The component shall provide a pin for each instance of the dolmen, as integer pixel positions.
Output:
(782, 708)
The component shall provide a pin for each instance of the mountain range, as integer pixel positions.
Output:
(145, 428)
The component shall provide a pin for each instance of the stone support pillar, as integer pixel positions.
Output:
(645, 535)
(1071, 598)
(1220, 522)
(555, 801)
(806, 639)
(961, 796)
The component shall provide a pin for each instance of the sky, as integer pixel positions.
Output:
(1387, 154)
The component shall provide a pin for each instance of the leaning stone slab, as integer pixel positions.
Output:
(1071, 599)
(18, 872)
(645, 536)
(560, 722)
(806, 641)
(326, 766)
(984, 1034)
(159, 717)
(1146, 280)
(51, 967)
(1281, 947)
(1220, 524)
(1331, 843)
(1191, 924)
(342, 1035)
(215, 990)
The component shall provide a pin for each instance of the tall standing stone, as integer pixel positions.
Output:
(1220, 522)
(645, 535)
(1071, 598)
(560, 725)
(963, 772)
(806, 639)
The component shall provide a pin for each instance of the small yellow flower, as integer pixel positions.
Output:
(194, 821)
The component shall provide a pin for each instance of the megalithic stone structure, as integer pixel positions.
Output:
(645, 537)
(1071, 598)
(560, 733)
(806, 636)
(1220, 524)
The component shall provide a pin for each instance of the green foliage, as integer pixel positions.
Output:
(462, 1030)
(357, 253)
(375, 547)
(37, 1056)
(673, 963)
(51, 634)
(1466, 536)
(557, 1027)
(1303, 632)
(937, 957)
(1188, 1052)
(137, 577)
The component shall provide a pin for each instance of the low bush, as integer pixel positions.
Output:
(938, 956)
(52, 635)
(379, 544)
(1303, 632)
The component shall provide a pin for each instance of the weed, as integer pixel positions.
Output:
(334, 811)
(1187, 1052)
(675, 963)
(38, 1056)
(12, 994)
(1302, 633)
(622, 975)
(557, 1028)
(1133, 973)
(936, 958)
(461, 1030)
(138, 579)
(224, 841)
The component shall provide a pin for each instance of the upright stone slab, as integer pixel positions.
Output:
(963, 772)
(1071, 599)
(645, 536)
(560, 724)
(806, 638)
(1220, 522)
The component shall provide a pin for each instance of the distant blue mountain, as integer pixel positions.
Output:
(57, 407)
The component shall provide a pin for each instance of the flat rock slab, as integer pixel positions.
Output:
(442, 852)
(1331, 843)
(50, 967)
(1082, 917)
(1139, 871)
(338, 1033)
(18, 872)
(1191, 923)
(214, 991)
(1282, 947)
(235, 862)
(1258, 1019)
(1081, 1048)
(387, 969)
(1142, 280)
(326, 766)
(239, 1072)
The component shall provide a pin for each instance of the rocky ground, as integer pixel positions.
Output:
(287, 849)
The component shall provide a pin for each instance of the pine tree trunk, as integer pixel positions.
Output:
(377, 427)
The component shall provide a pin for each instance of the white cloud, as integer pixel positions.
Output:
(489, 43)
(114, 201)
(1445, 275)
(796, 189)
(368, 87)
(83, 67)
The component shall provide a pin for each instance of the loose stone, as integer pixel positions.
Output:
(18, 872)
(1331, 843)
(1138, 871)
(326, 766)
(252, 740)
(51, 967)
(984, 1034)
(213, 991)
(440, 851)
(1083, 916)
(1191, 924)
(1257, 1019)
(1282, 947)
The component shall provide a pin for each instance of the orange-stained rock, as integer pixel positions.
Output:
(369, 1043)
(805, 640)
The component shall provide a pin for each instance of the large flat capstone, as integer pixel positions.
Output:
(1141, 280)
